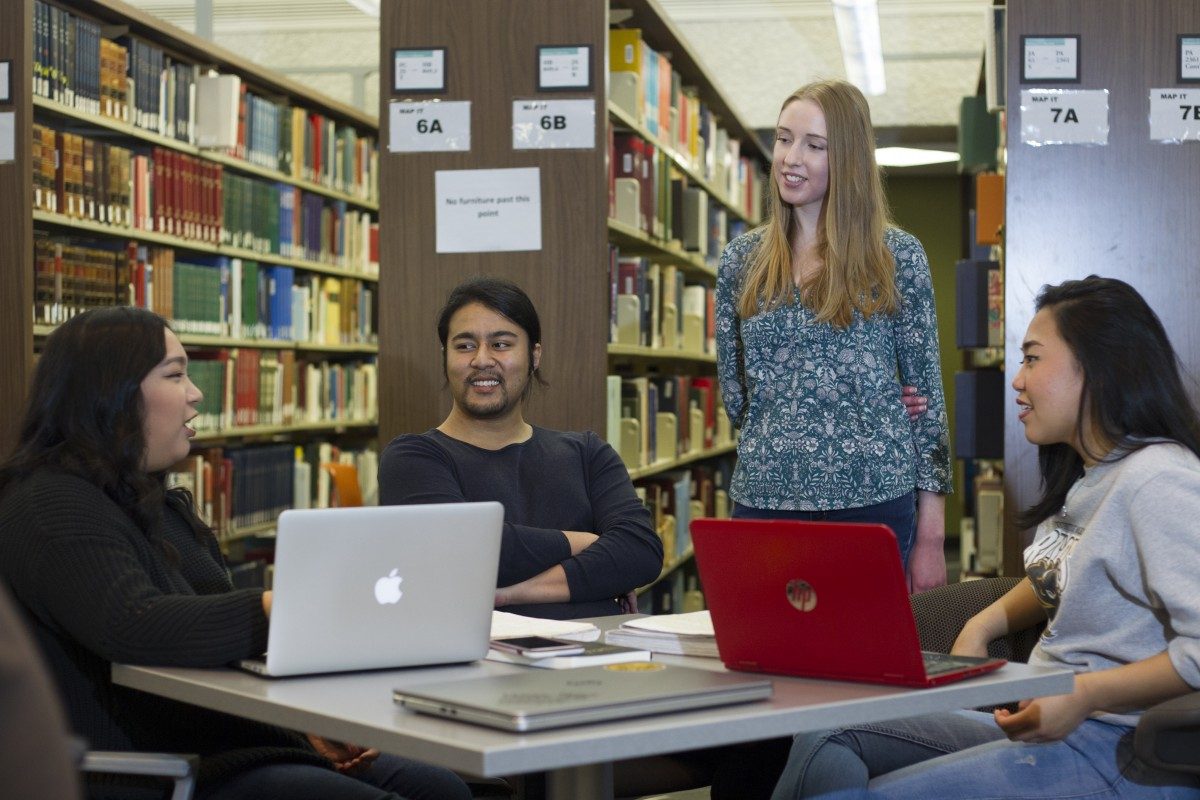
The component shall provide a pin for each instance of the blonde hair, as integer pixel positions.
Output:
(858, 272)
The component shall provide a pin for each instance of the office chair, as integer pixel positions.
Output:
(1167, 735)
(179, 769)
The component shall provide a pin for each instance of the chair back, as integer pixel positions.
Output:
(941, 613)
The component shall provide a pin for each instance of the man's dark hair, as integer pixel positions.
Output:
(506, 299)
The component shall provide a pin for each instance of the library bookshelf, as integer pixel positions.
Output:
(260, 251)
(699, 149)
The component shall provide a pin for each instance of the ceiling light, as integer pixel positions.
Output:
(862, 49)
(912, 156)
(368, 7)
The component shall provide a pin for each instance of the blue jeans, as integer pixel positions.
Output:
(964, 754)
(388, 778)
(900, 515)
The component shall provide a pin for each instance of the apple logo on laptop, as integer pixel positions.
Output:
(387, 588)
(801, 594)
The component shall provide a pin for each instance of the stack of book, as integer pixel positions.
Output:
(673, 634)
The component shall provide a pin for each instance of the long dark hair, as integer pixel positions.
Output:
(84, 412)
(1127, 399)
(503, 297)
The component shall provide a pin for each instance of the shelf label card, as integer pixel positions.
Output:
(5, 81)
(419, 70)
(1189, 58)
(1051, 58)
(554, 124)
(1064, 116)
(1174, 115)
(488, 210)
(8, 136)
(565, 67)
(430, 126)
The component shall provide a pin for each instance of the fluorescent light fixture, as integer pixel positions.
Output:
(368, 7)
(912, 157)
(862, 49)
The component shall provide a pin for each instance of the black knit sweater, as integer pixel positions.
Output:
(96, 590)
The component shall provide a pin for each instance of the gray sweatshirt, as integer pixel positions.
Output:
(1117, 568)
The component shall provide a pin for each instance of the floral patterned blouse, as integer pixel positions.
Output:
(818, 407)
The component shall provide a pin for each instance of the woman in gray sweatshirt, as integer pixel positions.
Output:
(1111, 570)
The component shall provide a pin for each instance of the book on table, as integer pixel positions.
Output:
(594, 654)
(673, 634)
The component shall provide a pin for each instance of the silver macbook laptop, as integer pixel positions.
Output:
(386, 586)
(538, 699)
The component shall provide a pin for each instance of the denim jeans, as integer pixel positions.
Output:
(900, 515)
(965, 755)
(388, 778)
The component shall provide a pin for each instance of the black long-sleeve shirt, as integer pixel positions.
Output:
(96, 590)
(553, 482)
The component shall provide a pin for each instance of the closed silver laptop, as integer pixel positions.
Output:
(535, 700)
(387, 586)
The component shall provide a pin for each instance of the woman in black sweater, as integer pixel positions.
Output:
(109, 566)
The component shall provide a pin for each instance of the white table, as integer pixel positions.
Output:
(358, 707)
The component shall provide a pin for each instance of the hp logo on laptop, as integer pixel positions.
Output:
(801, 594)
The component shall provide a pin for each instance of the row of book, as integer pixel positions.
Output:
(178, 195)
(647, 191)
(643, 82)
(677, 497)
(245, 387)
(211, 295)
(132, 80)
(652, 305)
(238, 488)
(659, 418)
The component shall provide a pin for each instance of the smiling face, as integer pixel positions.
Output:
(169, 400)
(800, 160)
(488, 362)
(1049, 386)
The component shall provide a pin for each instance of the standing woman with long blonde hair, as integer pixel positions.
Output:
(823, 313)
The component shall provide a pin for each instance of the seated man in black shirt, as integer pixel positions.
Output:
(576, 538)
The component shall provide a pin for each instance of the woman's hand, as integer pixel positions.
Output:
(1047, 719)
(914, 404)
(346, 758)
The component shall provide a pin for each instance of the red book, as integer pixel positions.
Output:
(704, 394)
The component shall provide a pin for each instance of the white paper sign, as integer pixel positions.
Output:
(488, 210)
(8, 136)
(1189, 58)
(564, 67)
(429, 127)
(1064, 116)
(1174, 115)
(554, 124)
(1051, 58)
(5, 82)
(419, 70)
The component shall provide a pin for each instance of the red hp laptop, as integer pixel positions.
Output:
(817, 600)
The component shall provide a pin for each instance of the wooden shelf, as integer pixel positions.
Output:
(633, 241)
(665, 465)
(622, 118)
(204, 340)
(239, 164)
(659, 354)
(269, 431)
(153, 237)
(264, 530)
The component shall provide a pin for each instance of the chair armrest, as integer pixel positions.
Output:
(1168, 735)
(163, 765)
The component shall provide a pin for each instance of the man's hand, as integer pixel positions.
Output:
(914, 404)
(346, 758)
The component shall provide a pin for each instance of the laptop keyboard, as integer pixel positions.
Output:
(938, 663)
